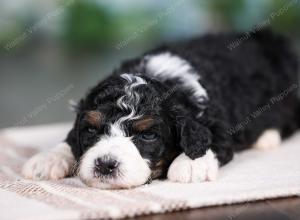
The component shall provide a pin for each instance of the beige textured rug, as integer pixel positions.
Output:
(253, 175)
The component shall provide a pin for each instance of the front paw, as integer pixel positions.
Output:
(185, 170)
(53, 165)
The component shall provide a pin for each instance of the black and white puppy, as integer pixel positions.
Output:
(180, 112)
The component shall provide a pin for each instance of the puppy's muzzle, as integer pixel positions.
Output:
(113, 162)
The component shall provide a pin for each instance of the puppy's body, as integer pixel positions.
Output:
(250, 89)
(195, 100)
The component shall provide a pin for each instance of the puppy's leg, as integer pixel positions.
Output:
(270, 139)
(52, 165)
(185, 170)
(205, 166)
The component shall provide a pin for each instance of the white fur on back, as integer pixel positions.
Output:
(168, 66)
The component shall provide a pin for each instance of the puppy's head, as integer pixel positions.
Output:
(125, 136)
(128, 131)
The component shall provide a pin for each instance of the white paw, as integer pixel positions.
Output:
(185, 170)
(270, 139)
(52, 165)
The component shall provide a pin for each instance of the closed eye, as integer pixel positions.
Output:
(92, 130)
(148, 136)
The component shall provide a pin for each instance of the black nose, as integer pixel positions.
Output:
(105, 166)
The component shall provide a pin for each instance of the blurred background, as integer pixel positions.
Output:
(53, 51)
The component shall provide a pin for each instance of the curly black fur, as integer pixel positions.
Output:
(251, 88)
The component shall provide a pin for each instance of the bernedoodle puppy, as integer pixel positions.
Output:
(179, 112)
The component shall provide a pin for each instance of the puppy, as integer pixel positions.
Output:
(179, 111)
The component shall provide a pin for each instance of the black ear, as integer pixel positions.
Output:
(193, 138)
(73, 138)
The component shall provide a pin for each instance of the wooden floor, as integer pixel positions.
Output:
(276, 209)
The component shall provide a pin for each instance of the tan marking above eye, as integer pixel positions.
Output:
(143, 124)
(94, 118)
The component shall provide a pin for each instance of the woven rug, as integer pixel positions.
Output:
(253, 175)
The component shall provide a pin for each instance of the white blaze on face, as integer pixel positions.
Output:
(133, 170)
(131, 98)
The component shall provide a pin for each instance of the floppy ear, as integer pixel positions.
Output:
(73, 136)
(193, 138)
